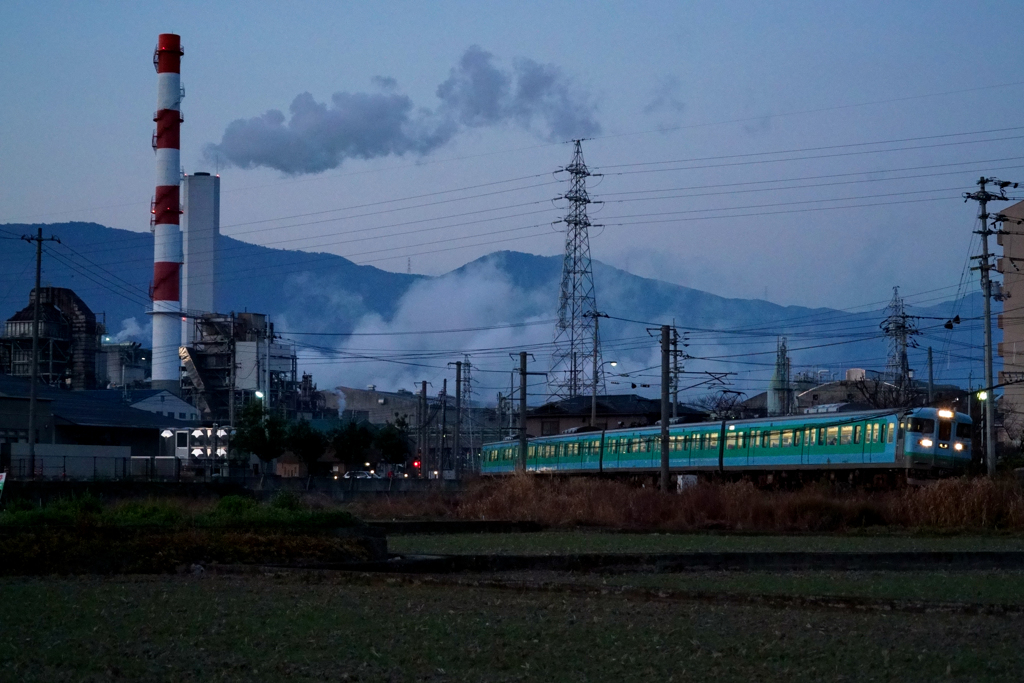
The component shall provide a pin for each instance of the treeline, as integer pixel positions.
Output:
(268, 436)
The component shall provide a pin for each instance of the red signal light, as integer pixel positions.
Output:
(416, 463)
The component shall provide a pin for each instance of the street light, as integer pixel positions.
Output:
(982, 395)
(259, 394)
(593, 398)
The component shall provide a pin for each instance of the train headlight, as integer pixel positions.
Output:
(946, 414)
(958, 446)
(927, 443)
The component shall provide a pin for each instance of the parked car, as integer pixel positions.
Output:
(359, 474)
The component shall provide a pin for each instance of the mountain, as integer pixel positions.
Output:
(324, 293)
(111, 270)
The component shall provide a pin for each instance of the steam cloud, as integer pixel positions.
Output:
(318, 136)
(131, 330)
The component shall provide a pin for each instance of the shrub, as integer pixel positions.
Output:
(235, 506)
(285, 500)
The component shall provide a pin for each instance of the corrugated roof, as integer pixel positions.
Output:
(612, 404)
(83, 408)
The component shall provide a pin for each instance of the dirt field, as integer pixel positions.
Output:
(313, 627)
(582, 541)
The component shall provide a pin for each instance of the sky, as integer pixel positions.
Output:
(807, 153)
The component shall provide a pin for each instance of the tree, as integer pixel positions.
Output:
(392, 440)
(260, 432)
(350, 443)
(878, 393)
(721, 405)
(308, 444)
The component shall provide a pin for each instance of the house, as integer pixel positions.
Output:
(614, 411)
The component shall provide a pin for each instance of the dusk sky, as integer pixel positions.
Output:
(370, 103)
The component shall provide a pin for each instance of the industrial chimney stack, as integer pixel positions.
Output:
(166, 210)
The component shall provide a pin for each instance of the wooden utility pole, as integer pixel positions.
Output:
(34, 371)
(457, 440)
(522, 412)
(665, 387)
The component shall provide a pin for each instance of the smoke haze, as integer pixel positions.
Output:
(317, 136)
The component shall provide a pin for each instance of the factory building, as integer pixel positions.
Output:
(122, 364)
(233, 359)
(68, 341)
(431, 425)
(1011, 348)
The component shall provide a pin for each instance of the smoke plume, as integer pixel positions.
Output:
(317, 136)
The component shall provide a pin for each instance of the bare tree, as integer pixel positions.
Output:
(1013, 425)
(879, 393)
(722, 404)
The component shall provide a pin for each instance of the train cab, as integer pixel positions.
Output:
(936, 442)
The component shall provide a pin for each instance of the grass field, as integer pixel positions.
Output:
(273, 628)
(967, 588)
(561, 542)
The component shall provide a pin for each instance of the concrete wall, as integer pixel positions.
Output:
(200, 226)
(65, 461)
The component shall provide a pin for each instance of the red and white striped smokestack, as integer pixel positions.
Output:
(166, 211)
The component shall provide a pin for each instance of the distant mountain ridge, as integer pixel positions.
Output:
(314, 292)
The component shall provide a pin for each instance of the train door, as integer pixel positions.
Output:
(899, 439)
(860, 436)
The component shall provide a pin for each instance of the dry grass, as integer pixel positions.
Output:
(954, 504)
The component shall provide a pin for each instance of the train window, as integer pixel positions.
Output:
(945, 430)
(730, 441)
(920, 425)
(796, 437)
(531, 451)
(889, 432)
(764, 438)
(774, 439)
(787, 438)
(741, 439)
(856, 433)
(820, 431)
(713, 440)
(831, 436)
(963, 430)
(845, 435)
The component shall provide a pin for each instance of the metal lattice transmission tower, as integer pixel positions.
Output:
(899, 329)
(577, 345)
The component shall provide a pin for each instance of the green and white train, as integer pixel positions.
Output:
(910, 445)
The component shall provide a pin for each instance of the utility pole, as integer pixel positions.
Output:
(231, 400)
(665, 344)
(34, 371)
(523, 374)
(522, 411)
(498, 414)
(931, 384)
(593, 395)
(424, 443)
(983, 197)
(444, 426)
(457, 441)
